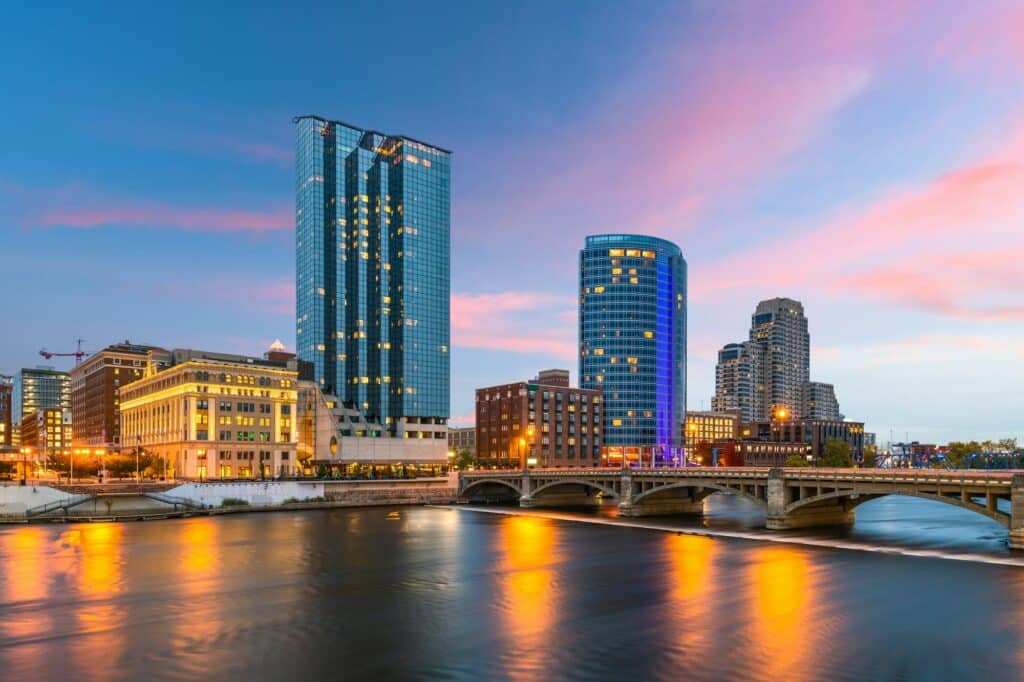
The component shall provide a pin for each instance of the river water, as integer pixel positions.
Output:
(436, 594)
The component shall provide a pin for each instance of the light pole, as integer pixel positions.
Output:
(25, 452)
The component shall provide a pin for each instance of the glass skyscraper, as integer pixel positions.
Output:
(372, 220)
(633, 343)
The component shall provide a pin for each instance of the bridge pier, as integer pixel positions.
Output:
(1017, 512)
(566, 499)
(662, 507)
(828, 513)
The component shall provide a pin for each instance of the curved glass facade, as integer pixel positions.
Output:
(633, 342)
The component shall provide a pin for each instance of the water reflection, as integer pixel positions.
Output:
(24, 583)
(199, 610)
(529, 592)
(98, 575)
(691, 579)
(782, 589)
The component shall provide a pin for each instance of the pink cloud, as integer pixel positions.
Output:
(731, 111)
(995, 37)
(969, 286)
(129, 213)
(965, 223)
(514, 321)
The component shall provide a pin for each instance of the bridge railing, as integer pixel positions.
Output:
(961, 477)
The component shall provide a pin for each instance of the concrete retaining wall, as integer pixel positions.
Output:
(355, 493)
(256, 494)
(15, 499)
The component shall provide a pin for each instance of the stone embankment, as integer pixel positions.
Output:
(21, 504)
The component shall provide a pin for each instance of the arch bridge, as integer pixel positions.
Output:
(793, 498)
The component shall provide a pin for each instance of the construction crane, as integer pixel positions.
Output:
(77, 355)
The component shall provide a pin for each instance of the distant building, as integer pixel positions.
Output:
(372, 289)
(739, 380)
(543, 422)
(213, 415)
(914, 449)
(819, 402)
(768, 376)
(46, 433)
(780, 326)
(462, 438)
(710, 427)
(805, 436)
(632, 334)
(96, 392)
(870, 439)
(41, 388)
(6, 412)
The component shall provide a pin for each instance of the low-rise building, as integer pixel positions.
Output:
(809, 434)
(710, 427)
(543, 422)
(45, 436)
(213, 415)
(462, 438)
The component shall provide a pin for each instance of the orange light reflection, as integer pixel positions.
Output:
(529, 592)
(783, 593)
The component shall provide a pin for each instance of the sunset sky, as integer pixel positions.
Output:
(864, 158)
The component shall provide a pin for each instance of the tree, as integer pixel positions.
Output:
(796, 461)
(870, 456)
(463, 459)
(837, 454)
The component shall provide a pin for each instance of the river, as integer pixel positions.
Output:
(458, 594)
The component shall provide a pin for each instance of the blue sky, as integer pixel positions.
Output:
(865, 158)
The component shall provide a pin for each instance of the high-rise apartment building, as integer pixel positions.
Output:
(819, 402)
(780, 326)
(373, 276)
(96, 393)
(41, 388)
(739, 380)
(632, 334)
(542, 422)
(766, 376)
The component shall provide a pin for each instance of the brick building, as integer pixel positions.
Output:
(96, 393)
(542, 422)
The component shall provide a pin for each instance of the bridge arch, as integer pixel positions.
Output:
(481, 482)
(712, 487)
(594, 485)
(851, 499)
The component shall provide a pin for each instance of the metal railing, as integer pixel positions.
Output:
(64, 504)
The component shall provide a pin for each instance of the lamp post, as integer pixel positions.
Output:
(25, 452)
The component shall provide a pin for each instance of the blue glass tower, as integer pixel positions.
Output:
(633, 342)
(372, 229)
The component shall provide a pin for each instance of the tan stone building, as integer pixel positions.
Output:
(214, 415)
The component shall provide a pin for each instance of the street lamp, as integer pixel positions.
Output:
(522, 451)
(25, 452)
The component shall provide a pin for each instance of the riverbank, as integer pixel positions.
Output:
(45, 504)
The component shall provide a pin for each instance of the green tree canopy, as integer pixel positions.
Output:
(837, 454)
(870, 455)
(463, 459)
(796, 461)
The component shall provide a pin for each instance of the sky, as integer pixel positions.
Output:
(865, 158)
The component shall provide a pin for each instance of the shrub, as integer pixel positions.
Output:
(233, 502)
